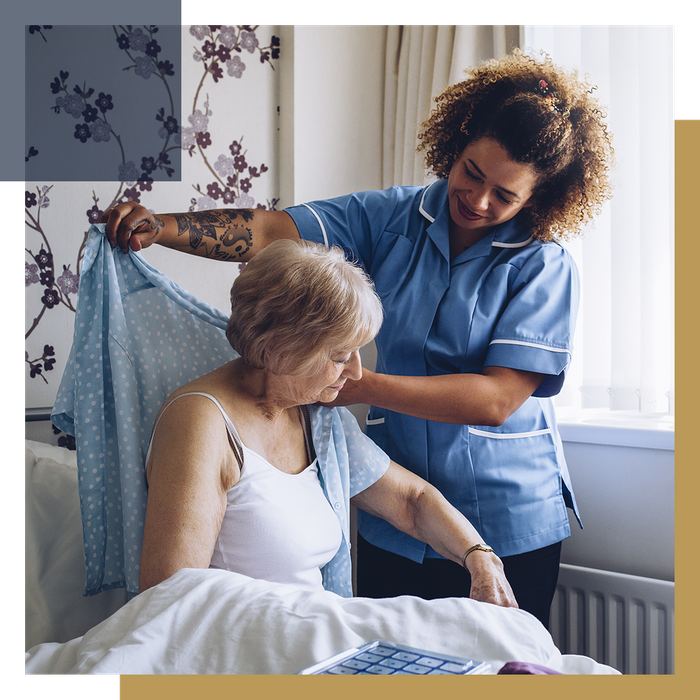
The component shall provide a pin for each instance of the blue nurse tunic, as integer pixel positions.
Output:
(509, 300)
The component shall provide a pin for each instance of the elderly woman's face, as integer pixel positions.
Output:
(324, 385)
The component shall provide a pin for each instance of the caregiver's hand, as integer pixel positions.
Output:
(486, 398)
(354, 391)
(131, 225)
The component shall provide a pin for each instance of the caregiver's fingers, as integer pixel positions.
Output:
(130, 225)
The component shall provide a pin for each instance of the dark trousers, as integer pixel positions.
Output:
(532, 576)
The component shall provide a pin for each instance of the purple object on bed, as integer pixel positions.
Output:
(524, 668)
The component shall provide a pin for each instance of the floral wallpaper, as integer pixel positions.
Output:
(86, 126)
(226, 139)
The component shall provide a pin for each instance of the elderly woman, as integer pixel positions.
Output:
(234, 481)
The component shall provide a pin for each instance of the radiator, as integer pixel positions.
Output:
(624, 621)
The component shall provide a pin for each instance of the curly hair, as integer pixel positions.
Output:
(543, 117)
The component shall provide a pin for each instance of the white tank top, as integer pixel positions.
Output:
(277, 526)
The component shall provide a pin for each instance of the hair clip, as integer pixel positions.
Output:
(550, 96)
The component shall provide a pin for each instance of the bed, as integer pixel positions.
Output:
(218, 622)
(138, 336)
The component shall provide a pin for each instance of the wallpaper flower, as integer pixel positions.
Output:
(222, 68)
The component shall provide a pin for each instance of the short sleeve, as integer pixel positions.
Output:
(367, 461)
(536, 329)
(353, 222)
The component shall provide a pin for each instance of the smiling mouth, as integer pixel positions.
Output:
(466, 212)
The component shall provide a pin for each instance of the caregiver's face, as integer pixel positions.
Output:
(486, 187)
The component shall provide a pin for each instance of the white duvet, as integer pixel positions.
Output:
(217, 622)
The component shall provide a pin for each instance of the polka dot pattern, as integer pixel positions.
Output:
(138, 337)
(349, 463)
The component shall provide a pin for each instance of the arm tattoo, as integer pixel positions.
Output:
(223, 234)
(156, 225)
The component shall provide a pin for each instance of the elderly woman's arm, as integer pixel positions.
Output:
(190, 469)
(232, 235)
(420, 510)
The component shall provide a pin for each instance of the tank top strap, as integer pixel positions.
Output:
(234, 438)
(308, 438)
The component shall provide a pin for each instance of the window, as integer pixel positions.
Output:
(623, 357)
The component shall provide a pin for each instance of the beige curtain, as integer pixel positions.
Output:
(420, 62)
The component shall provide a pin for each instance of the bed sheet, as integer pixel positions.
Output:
(219, 622)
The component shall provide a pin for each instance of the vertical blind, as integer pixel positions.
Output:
(623, 357)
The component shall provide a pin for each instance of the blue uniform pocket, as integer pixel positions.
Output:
(519, 488)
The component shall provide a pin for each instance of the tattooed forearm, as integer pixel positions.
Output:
(155, 226)
(235, 243)
(222, 234)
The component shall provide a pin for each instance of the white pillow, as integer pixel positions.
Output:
(43, 450)
(55, 608)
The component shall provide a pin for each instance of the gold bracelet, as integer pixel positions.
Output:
(476, 547)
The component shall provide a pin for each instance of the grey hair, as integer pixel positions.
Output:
(296, 302)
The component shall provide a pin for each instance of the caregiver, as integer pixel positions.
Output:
(480, 302)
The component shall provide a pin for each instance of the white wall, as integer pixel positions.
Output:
(331, 111)
(625, 496)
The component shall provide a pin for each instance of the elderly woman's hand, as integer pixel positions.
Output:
(415, 507)
(489, 583)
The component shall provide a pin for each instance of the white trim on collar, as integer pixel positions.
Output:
(421, 209)
(497, 244)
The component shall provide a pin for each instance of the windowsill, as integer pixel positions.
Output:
(619, 428)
